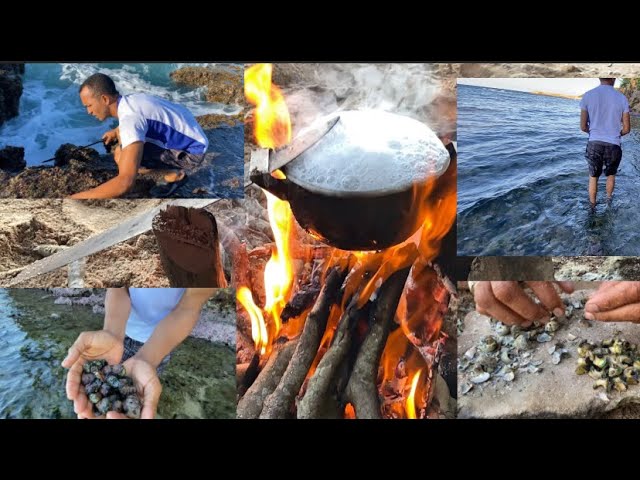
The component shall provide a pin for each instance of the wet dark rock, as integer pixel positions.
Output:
(10, 90)
(224, 84)
(68, 152)
(110, 390)
(17, 68)
(12, 158)
(77, 170)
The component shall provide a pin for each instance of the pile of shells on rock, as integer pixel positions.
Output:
(613, 363)
(506, 353)
(109, 389)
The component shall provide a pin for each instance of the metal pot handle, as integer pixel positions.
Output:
(259, 174)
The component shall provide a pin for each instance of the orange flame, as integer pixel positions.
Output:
(438, 204)
(349, 411)
(411, 403)
(399, 363)
(272, 122)
(278, 273)
(272, 130)
(258, 326)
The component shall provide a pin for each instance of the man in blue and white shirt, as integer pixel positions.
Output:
(152, 133)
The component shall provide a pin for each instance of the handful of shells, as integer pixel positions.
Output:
(109, 389)
(612, 363)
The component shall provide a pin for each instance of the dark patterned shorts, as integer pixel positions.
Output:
(132, 346)
(601, 154)
(157, 157)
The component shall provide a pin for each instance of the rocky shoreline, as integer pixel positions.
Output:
(77, 170)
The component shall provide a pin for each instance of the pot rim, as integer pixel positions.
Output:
(368, 194)
(371, 194)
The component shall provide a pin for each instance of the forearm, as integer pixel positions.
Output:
(169, 333)
(584, 121)
(117, 306)
(113, 188)
(175, 327)
(626, 124)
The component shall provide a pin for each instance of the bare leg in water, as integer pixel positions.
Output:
(593, 191)
(611, 184)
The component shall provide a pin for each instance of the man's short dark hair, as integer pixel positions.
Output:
(608, 80)
(100, 84)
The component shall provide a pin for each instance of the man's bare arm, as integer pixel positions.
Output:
(130, 159)
(117, 307)
(175, 327)
(584, 121)
(626, 123)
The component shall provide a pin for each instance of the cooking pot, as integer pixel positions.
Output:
(356, 187)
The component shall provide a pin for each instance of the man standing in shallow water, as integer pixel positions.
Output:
(604, 115)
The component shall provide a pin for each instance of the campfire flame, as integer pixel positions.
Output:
(411, 403)
(272, 122)
(272, 130)
(404, 371)
(278, 273)
(258, 325)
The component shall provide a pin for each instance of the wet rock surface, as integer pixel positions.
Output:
(79, 169)
(547, 386)
(79, 173)
(12, 159)
(109, 389)
(224, 84)
(67, 152)
(10, 90)
(216, 120)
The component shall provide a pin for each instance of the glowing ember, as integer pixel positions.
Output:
(349, 412)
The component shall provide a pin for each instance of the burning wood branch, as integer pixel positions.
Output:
(279, 403)
(251, 404)
(362, 389)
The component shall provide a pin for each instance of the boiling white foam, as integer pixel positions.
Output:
(370, 152)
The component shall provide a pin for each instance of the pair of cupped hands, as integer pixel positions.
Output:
(509, 303)
(102, 344)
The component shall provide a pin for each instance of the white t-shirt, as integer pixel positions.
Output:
(605, 106)
(148, 307)
(151, 119)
